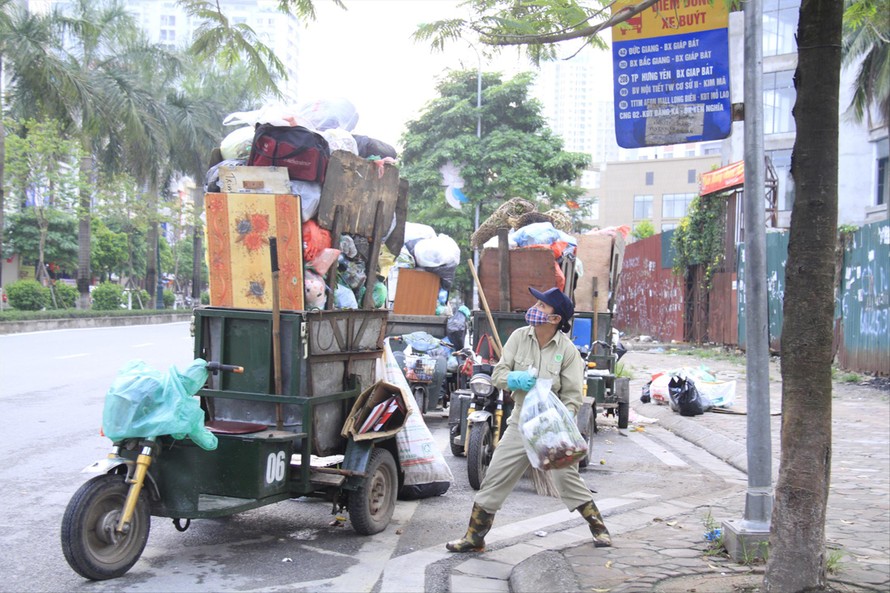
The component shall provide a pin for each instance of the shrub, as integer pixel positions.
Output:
(66, 296)
(27, 295)
(169, 299)
(205, 298)
(107, 296)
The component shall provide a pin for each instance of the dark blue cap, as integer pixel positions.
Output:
(562, 305)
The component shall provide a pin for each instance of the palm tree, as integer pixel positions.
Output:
(867, 38)
(29, 50)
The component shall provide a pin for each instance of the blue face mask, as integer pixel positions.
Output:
(535, 316)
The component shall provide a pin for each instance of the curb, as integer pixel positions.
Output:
(549, 570)
(545, 571)
(17, 327)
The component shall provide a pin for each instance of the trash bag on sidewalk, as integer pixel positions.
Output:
(685, 397)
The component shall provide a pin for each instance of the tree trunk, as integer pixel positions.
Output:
(797, 540)
(151, 254)
(84, 274)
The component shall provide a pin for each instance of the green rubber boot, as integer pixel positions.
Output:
(474, 540)
(601, 537)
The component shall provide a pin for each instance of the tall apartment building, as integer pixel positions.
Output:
(577, 104)
(165, 22)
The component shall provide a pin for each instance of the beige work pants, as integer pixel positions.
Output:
(508, 464)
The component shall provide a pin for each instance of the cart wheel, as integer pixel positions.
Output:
(479, 453)
(453, 433)
(623, 414)
(586, 425)
(89, 541)
(372, 505)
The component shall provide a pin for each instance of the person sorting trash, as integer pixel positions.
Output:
(541, 349)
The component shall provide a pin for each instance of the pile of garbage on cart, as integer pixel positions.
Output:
(335, 252)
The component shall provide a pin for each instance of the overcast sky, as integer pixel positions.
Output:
(365, 54)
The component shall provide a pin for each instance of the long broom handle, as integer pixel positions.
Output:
(276, 332)
(494, 329)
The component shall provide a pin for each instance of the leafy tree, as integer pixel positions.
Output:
(536, 26)
(867, 37)
(22, 236)
(42, 173)
(517, 155)
(123, 209)
(110, 251)
(26, 44)
(643, 230)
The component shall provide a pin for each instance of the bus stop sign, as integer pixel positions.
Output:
(671, 73)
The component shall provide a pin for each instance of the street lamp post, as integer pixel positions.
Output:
(478, 137)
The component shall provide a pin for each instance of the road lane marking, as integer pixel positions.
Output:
(67, 356)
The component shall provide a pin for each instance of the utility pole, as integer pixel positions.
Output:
(478, 137)
(743, 539)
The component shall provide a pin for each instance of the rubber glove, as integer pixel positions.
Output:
(520, 380)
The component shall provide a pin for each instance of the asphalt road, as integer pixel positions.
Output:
(52, 387)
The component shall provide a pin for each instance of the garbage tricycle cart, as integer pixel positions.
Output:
(271, 446)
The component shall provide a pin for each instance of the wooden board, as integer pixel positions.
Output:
(356, 184)
(595, 253)
(417, 292)
(257, 180)
(529, 267)
(238, 231)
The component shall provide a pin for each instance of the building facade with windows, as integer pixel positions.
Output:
(864, 152)
(862, 174)
(654, 190)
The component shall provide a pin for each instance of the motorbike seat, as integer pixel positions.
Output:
(234, 427)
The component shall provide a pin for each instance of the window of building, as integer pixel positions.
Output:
(781, 160)
(691, 177)
(168, 20)
(675, 205)
(642, 207)
(594, 208)
(882, 187)
(778, 99)
(650, 177)
(780, 26)
(668, 226)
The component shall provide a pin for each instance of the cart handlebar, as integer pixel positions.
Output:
(215, 367)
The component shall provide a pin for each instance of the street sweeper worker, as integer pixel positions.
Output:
(542, 345)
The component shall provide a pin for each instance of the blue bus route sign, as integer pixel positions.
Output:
(671, 73)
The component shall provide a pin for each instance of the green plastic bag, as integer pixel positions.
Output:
(144, 402)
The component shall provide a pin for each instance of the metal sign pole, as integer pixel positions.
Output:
(741, 538)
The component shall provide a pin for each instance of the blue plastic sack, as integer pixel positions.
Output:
(540, 233)
(144, 402)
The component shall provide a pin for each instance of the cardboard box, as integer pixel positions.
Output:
(254, 180)
(599, 254)
(239, 262)
(366, 402)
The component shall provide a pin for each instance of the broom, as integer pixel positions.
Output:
(541, 479)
